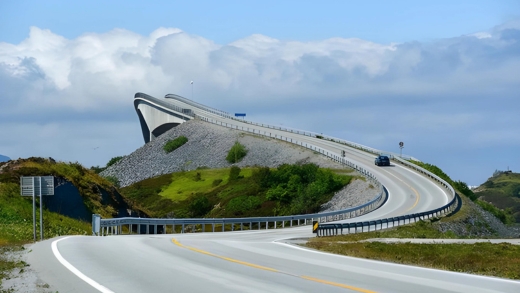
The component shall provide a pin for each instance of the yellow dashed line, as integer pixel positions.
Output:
(416, 193)
(271, 269)
(223, 257)
(417, 198)
(337, 284)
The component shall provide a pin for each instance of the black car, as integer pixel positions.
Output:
(382, 161)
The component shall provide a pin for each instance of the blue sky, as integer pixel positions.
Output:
(442, 76)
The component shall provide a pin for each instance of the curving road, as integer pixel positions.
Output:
(253, 261)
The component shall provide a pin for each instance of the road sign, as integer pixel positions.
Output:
(37, 186)
(30, 185)
(401, 144)
(240, 114)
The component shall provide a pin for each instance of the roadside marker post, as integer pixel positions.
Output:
(315, 225)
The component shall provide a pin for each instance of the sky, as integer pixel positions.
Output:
(441, 76)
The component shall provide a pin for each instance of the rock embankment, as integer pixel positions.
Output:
(478, 224)
(208, 146)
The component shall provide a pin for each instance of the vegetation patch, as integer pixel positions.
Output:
(500, 260)
(503, 191)
(504, 215)
(236, 153)
(236, 192)
(174, 144)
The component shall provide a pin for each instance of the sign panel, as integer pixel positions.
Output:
(27, 186)
(31, 185)
(47, 183)
(240, 114)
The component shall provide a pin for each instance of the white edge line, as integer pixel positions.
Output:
(75, 271)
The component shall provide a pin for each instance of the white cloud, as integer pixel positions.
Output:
(422, 91)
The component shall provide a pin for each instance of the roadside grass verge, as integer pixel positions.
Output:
(499, 260)
(8, 263)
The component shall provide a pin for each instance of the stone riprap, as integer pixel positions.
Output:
(208, 146)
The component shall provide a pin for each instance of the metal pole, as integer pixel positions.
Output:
(34, 214)
(41, 211)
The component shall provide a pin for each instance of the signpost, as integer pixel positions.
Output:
(401, 146)
(37, 186)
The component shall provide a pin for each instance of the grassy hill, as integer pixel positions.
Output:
(16, 211)
(503, 191)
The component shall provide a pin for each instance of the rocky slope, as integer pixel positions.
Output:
(207, 146)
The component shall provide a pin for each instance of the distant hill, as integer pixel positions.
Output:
(503, 191)
(4, 158)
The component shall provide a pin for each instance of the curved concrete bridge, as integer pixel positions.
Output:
(160, 115)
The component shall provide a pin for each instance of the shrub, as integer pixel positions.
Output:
(200, 206)
(113, 180)
(174, 144)
(242, 204)
(234, 173)
(236, 153)
(113, 161)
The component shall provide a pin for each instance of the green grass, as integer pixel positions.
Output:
(503, 191)
(185, 184)
(211, 193)
(174, 144)
(499, 260)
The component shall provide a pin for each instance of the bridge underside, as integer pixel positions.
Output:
(158, 116)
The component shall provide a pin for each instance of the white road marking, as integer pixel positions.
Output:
(75, 271)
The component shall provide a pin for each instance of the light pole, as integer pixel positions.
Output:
(191, 90)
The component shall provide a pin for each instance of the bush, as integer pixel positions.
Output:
(234, 173)
(236, 153)
(113, 180)
(200, 206)
(174, 144)
(113, 161)
(241, 204)
(464, 189)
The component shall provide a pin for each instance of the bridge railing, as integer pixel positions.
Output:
(200, 106)
(164, 104)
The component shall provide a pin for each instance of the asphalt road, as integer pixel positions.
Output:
(253, 261)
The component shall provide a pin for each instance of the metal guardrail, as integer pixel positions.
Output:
(150, 99)
(197, 105)
(341, 228)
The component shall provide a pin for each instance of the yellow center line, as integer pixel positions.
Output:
(336, 284)
(416, 193)
(271, 269)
